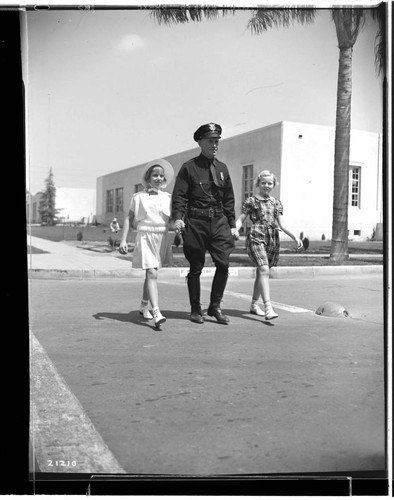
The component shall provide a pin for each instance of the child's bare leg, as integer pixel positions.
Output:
(256, 288)
(145, 291)
(151, 286)
(144, 307)
(259, 288)
(254, 307)
(262, 283)
(263, 275)
(151, 278)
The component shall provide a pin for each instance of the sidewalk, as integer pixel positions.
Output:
(66, 261)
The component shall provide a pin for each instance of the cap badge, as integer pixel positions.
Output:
(221, 176)
(212, 127)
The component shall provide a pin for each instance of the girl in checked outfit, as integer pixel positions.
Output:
(262, 242)
(150, 211)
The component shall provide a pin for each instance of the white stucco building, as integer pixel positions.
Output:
(301, 156)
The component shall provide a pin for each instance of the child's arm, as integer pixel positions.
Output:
(288, 232)
(240, 221)
(123, 247)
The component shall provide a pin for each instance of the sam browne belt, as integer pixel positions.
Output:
(205, 212)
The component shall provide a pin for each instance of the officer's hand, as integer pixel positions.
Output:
(123, 247)
(179, 225)
(235, 233)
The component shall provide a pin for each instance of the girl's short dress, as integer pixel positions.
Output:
(152, 212)
(263, 242)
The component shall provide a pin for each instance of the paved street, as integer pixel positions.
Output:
(304, 393)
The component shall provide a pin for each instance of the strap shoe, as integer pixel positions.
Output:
(158, 317)
(269, 312)
(144, 311)
(256, 309)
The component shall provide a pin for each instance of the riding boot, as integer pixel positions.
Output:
(193, 285)
(217, 292)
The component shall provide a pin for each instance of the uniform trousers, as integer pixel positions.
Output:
(212, 234)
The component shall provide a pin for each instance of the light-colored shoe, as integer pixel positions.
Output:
(158, 317)
(256, 309)
(144, 311)
(270, 313)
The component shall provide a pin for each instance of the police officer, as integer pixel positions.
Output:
(203, 209)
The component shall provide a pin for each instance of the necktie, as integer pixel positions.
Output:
(213, 172)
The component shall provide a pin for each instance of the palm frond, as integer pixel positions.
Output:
(379, 15)
(178, 15)
(264, 19)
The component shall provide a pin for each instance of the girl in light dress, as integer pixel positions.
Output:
(262, 242)
(150, 212)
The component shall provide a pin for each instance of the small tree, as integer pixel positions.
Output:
(47, 210)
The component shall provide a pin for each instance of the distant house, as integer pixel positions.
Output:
(301, 156)
(74, 204)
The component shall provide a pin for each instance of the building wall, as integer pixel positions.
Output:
(302, 158)
(308, 180)
(259, 147)
(365, 152)
(32, 206)
(128, 179)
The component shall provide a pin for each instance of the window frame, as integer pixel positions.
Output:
(109, 201)
(355, 186)
(119, 199)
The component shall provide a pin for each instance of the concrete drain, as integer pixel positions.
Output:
(332, 309)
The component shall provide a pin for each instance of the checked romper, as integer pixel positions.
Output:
(262, 242)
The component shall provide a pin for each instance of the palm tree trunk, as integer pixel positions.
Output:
(339, 241)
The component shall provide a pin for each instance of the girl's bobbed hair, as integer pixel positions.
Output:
(266, 173)
(148, 173)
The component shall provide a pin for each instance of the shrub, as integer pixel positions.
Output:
(305, 242)
(79, 236)
(323, 237)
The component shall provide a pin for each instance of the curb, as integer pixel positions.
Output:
(181, 272)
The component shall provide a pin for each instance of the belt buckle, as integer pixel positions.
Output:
(211, 212)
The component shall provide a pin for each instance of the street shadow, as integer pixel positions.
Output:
(136, 318)
(236, 313)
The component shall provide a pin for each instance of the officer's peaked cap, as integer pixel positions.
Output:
(208, 130)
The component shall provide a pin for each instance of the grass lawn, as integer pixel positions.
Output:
(97, 237)
(102, 233)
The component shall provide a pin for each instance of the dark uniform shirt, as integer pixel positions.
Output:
(195, 188)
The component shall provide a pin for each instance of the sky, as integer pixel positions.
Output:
(109, 89)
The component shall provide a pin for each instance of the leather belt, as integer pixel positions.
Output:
(205, 212)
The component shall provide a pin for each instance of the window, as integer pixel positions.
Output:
(138, 188)
(119, 200)
(247, 190)
(355, 186)
(110, 200)
(247, 182)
